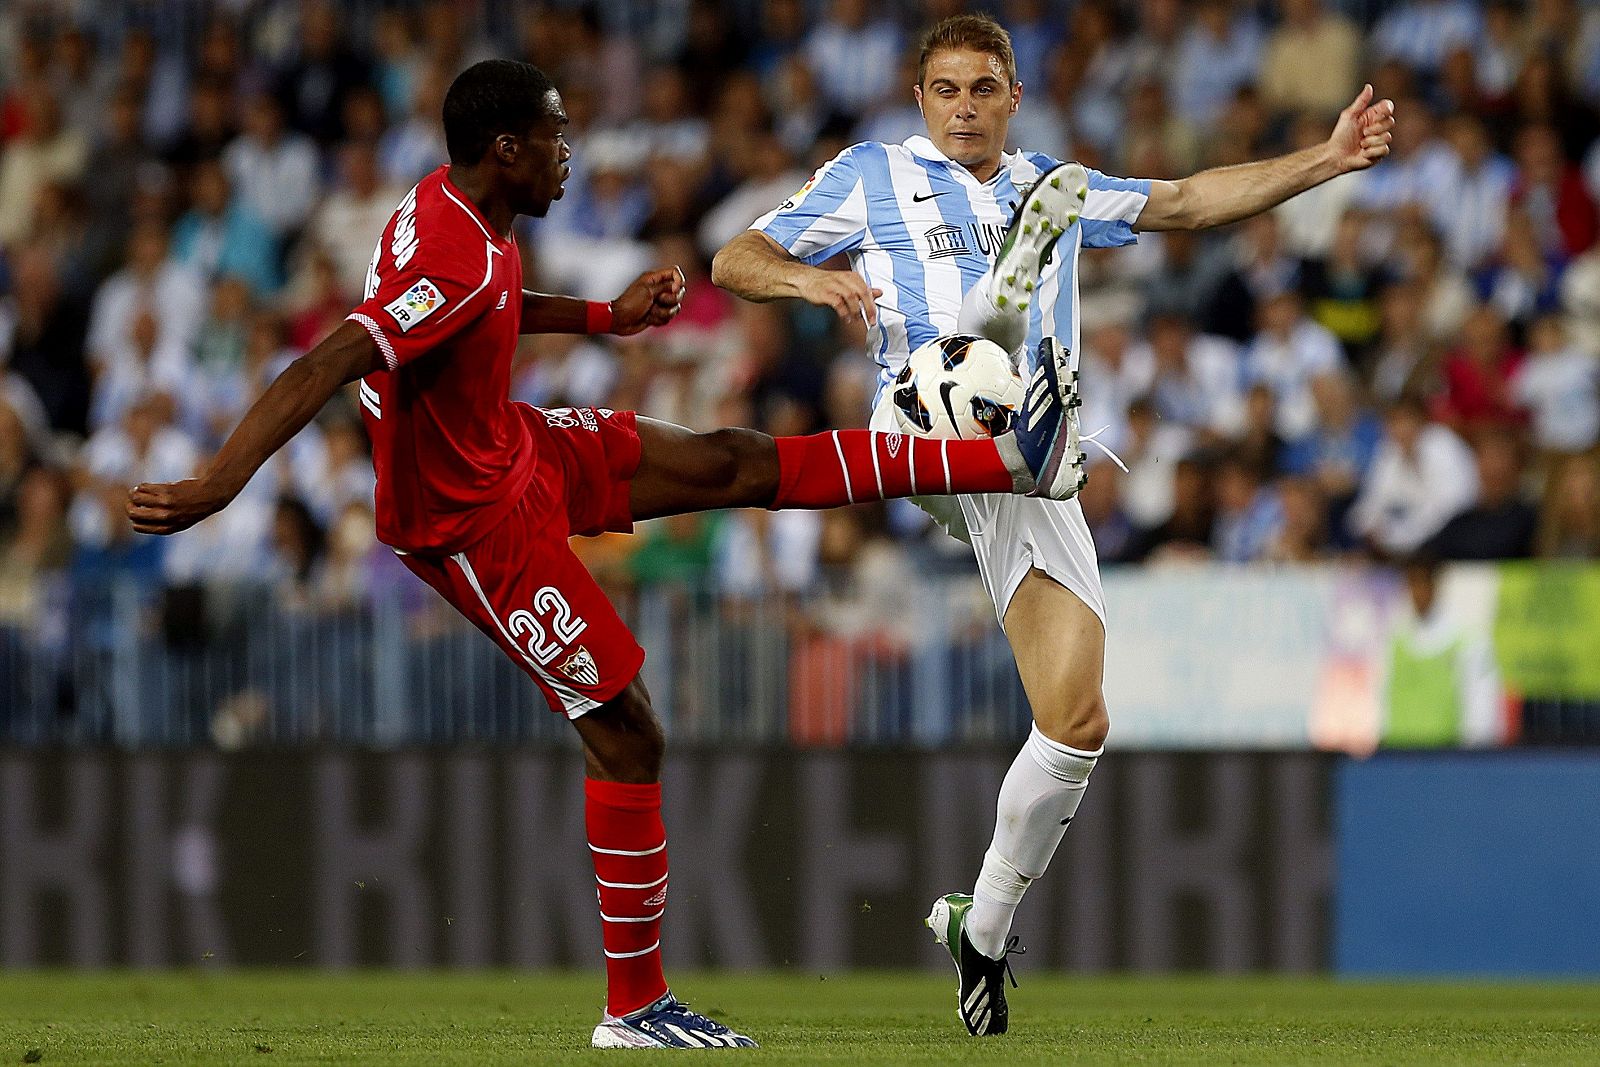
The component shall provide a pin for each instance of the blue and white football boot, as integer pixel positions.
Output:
(1043, 451)
(666, 1023)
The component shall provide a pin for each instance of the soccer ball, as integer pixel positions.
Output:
(957, 386)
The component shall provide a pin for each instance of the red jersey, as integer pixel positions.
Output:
(444, 305)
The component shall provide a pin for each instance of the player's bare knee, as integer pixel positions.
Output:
(623, 740)
(1080, 723)
(742, 462)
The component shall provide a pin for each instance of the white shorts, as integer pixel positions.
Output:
(1011, 535)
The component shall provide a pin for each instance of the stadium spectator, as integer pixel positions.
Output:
(275, 170)
(1186, 535)
(1569, 522)
(1249, 517)
(1290, 351)
(142, 368)
(1261, 270)
(1101, 499)
(1470, 210)
(1527, 279)
(1302, 537)
(323, 73)
(1559, 383)
(42, 341)
(1477, 376)
(1341, 289)
(414, 146)
(221, 234)
(1421, 33)
(1259, 444)
(1422, 476)
(1551, 194)
(1501, 524)
(1151, 450)
(353, 214)
(1193, 378)
(1310, 37)
(45, 151)
(1218, 54)
(1335, 456)
(855, 56)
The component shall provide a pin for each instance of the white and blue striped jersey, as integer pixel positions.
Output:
(920, 227)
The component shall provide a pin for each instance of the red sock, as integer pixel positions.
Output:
(629, 848)
(840, 467)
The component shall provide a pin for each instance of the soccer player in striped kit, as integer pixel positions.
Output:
(949, 233)
(478, 494)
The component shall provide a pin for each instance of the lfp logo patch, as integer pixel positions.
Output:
(415, 304)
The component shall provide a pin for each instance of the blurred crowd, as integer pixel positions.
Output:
(1402, 361)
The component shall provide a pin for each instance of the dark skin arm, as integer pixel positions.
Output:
(291, 401)
(653, 299)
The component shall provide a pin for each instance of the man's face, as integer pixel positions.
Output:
(538, 161)
(967, 102)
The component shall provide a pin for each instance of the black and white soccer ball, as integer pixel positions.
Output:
(958, 386)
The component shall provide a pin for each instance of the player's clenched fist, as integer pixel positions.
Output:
(166, 508)
(843, 290)
(654, 299)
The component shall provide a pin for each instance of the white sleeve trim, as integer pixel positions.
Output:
(384, 345)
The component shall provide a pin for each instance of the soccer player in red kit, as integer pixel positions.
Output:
(479, 494)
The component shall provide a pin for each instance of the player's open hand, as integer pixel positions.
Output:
(1361, 136)
(167, 507)
(843, 290)
(654, 299)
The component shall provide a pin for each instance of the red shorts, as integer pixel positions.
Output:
(522, 585)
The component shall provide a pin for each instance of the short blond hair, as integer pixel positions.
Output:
(969, 33)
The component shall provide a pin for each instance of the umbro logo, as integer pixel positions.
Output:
(501, 306)
(919, 198)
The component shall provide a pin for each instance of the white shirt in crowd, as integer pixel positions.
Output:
(1288, 365)
(1562, 389)
(280, 181)
(1407, 499)
(176, 295)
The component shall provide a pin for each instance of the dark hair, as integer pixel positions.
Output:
(976, 33)
(490, 98)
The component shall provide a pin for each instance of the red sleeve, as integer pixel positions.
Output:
(418, 308)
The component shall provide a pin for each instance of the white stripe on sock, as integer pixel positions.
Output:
(626, 852)
(876, 473)
(629, 919)
(630, 885)
(911, 461)
(631, 955)
(944, 453)
(844, 470)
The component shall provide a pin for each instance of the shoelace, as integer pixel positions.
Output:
(1091, 438)
(1013, 945)
(694, 1018)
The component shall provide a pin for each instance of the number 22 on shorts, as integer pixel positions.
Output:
(563, 625)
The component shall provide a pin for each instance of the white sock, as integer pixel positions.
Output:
(1008, 329)
(1037, 800)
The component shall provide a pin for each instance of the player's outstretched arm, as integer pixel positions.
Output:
(291, 401)
(1227, 194)
(756, 267)
(653, 299)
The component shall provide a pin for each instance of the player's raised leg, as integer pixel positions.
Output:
(997, 306)
(682, 471)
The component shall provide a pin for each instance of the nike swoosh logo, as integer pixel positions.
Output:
(918, 198)
(944, 395)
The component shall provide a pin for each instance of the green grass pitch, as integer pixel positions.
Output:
(509, 1018)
